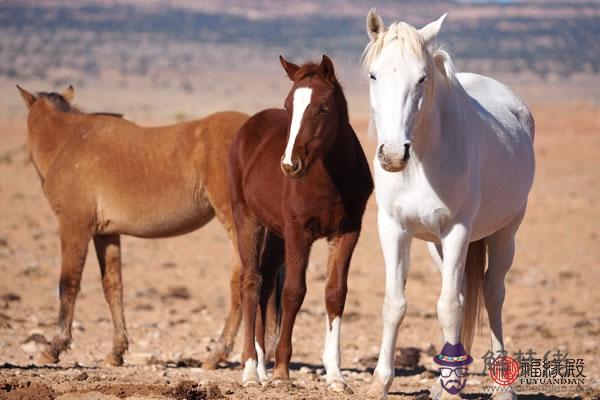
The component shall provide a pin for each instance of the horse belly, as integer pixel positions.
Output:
(152, 220)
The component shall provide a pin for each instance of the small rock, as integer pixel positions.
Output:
(36, 338)
(82, 376)
(30, 347)
(408, 357)
(177, 292)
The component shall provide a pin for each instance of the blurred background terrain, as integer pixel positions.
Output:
(161, 60)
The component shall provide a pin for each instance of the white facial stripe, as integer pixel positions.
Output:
(301, 101)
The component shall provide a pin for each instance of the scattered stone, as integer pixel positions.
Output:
(177, 292)
(8, 298)
(368, 361)
(36, 338)
(305, 370)
(408, 357)
(144, 307)
(191, 390)
(583, 324)
(168, 265)
(82, 376)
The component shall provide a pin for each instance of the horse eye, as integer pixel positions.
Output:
(422, 79)
(323, 109)
(373, 77)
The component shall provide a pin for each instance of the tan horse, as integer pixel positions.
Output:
(105, 176)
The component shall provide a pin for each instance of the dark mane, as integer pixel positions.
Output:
(63, 105)
(59, 102)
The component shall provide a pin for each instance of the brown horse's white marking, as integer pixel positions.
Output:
(322, 193)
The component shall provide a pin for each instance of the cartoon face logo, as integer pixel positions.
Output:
(453, 380)
(453, 361)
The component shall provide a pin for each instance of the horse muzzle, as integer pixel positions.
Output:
(392, 159)
(295, 170)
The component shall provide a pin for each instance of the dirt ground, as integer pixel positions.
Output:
(176, 292)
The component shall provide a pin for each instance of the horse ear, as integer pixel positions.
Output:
(326, 69)
(375, 25)
(27, 97)
(69, 94)
(290, 68)
(430, 31)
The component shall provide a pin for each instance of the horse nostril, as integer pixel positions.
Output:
(406, 152)
(297, 166)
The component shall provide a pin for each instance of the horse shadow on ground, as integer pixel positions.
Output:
(48, 367)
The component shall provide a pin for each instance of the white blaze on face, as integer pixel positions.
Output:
(301, 101)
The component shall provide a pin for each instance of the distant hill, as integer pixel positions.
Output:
(171, 44)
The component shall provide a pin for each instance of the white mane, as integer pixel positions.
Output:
(412, 44)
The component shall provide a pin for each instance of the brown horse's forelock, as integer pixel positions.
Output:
(62, 105)
(312, 69)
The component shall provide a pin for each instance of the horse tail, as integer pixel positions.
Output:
(474, 271)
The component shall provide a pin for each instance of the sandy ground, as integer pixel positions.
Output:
(552, 301)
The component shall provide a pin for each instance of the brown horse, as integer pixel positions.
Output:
(322, 192)
(105, 176)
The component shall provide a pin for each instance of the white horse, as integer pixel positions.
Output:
(454, 165)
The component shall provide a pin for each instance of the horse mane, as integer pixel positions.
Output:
(412, 44)
(62, 105)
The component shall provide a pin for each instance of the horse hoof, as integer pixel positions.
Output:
(436, 391)
(113, 359)
(251, 383)
(48, 357)
(211, 362)
(377, 391)
(340, 387)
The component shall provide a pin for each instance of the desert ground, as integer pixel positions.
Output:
(176, 292)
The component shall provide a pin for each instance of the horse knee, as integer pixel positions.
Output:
(335, 297)
(394, 308)
(449, 309)
(293, 296)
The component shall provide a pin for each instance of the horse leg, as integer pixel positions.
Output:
(271, 259)
(250, 239)
(501, 251)
(108, 250)
(297, 250)
(234, 317)
(395, 243)
(273, 316)
(74, 239)
(340, 252)
(451, 304)
(435, 250)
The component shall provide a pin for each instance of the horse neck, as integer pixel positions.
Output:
(341, 155)
(48, 133)
(441, 113)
